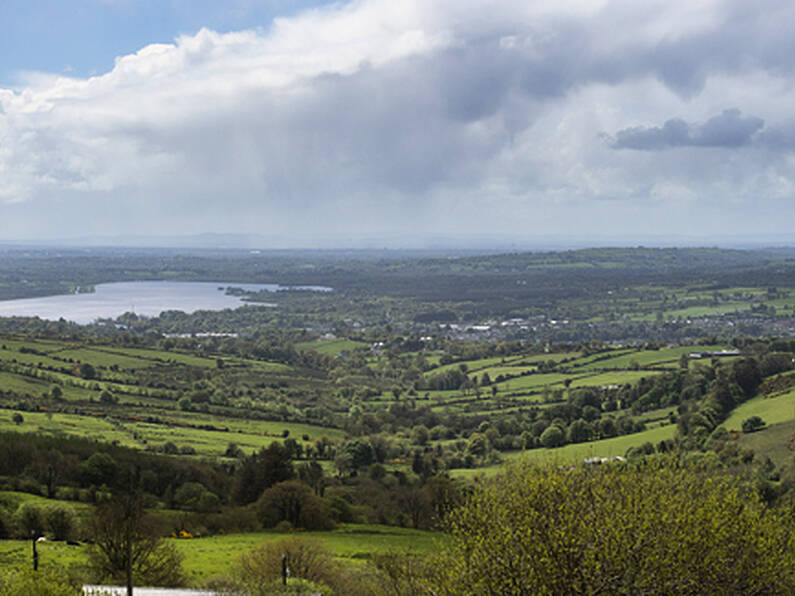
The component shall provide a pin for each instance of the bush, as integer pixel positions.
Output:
(657, 527)
(60, 521)
(553, 437)
(752, 424)
(39, 583)
(294, 502)
(313, 570)
(29, 519)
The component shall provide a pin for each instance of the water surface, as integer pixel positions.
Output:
(147, 298)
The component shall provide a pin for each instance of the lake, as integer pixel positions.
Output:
(147, 298)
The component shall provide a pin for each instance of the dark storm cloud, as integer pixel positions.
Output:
(728, 130)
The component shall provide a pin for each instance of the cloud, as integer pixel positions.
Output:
(728, 130)
(433, 115)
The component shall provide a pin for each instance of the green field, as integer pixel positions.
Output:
(212, 556)
(569, 454)
(332, 347)
(770, 409)
(775, 441)
(208, 557)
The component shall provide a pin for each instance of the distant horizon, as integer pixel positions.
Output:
(470, 243)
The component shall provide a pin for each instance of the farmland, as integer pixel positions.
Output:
(376, 406)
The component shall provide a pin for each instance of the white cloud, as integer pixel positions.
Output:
(429, 115)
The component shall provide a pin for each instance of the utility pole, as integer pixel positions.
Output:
(284, 569)
(35, 552)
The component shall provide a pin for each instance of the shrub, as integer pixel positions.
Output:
(553, 437)
(658, 527)
(294, 502)
(39, 583)
(60, 521)
(313, 570)
(752, 424)
(29, 519)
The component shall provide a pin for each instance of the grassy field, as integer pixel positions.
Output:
(249, 434)
(147, 384)
(613, 378)
(66, 424)
(775, 441)
(770, 409)
(330, 346)
(208, 557)
(574, 453)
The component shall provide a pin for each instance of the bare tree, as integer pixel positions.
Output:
(127, 546)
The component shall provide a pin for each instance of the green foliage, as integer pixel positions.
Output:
(195, 496)
(60, 521)
(106, 397)
(87, 371)
(41, 583)
(313, 570)
(260, 471)
(29, 520)
(119, 528)
(752, 424)
(553, 437)
(99, 469)
(360, 452)
(654, 528)
(294, 502)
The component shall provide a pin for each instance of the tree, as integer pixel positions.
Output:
(60, 521)
(414, 502)
(746, 374)
(477, 444)
(17, 418)
(579, 431)
(87, 371)
(312, 475)
(260, 471)
(106, 397)
(126, 546)
(29, 518)
(420, 434)
(553, 437)
(775, 362)
(660, 527)
(98, 469)
(752, 424)
(294, 502)
(360, 452)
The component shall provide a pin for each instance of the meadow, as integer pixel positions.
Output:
(209, 557)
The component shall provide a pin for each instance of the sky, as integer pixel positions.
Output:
(401, 124)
